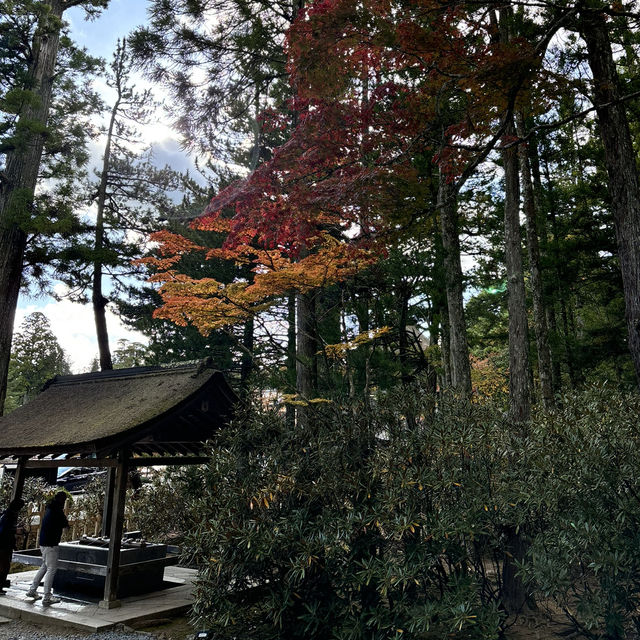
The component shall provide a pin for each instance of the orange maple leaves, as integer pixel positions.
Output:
(209, 304)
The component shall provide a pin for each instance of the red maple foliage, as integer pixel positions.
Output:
(379, 86)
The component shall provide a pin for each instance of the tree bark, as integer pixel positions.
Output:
(306, 352)
(290, 415)
(460, 369)
(97, 298)
(620, 160)
(537, 291)
(519, 401)
(20, 177)
(514, 594)
(542, 207)
(246, 363)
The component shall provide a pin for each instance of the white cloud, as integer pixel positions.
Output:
(74, 327)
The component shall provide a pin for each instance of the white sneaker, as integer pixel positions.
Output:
(48, 599)
(32, 594)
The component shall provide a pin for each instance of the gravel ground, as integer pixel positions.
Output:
(20, 630)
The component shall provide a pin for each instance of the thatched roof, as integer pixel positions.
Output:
(148, 409)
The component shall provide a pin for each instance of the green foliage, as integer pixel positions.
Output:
(130, 354)
(52, 216)
(218, 74)
(582, 479)
(163, 508)
(357, 526)
(361, 526)
(36, 357)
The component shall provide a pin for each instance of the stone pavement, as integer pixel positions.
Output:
(87, 616)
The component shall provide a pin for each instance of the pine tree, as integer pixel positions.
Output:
(131, 197)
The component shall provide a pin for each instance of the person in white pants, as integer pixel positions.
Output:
(53, 522)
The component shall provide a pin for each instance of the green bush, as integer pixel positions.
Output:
(582, 475)
(357, 526)
(420, 517)
(163, 508)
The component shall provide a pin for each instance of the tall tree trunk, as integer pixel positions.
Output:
(542, 207)
(515, 595)
(561, 292)
(290, 416)
(537, 294)
(246, 363)
(20, 176)
(444, 348)
(519, 401)
(404, 291)
(460, 369)
(620, 159)
(306, 352)
(99, 301)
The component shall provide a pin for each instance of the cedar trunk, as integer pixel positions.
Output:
(519, 402)
(306, 352)
(246, 364)
(290, 418)
(537, 294)
(460, 368)
(514, 594)
(19, 181)
(624, 186)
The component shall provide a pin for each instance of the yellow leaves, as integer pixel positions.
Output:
(295, 400)
(487, 379)
(339, 350)
(263, 499)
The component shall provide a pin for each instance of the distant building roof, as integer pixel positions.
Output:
(150, 410)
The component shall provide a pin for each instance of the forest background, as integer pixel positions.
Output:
(431, 204)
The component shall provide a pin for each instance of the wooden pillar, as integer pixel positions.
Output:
(18, 481)
(110, 597)
(107, 511)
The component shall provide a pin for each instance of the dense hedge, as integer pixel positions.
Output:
(361, 526)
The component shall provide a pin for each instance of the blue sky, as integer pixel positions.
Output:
(100, 36)
(73, 323)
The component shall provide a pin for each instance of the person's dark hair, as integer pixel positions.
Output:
(16, 504)
(60, 497)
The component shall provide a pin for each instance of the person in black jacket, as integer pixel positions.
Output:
(53, 522)
(8, 527)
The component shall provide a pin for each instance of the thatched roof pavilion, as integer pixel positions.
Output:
(144, 416)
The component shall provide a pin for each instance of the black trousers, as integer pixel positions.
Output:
(5, 564)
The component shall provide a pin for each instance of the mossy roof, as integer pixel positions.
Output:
(101, 412)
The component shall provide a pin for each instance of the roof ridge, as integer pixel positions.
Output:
(130, 372)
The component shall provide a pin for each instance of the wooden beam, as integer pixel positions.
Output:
(18, 480)
(107, 508)
(71, 462)
(168, 461)
(110, 598)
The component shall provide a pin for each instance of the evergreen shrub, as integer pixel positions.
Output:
(401, 519)
(362, 524)
(582, 477)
